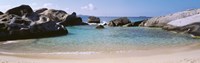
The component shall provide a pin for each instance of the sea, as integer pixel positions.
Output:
(88, 40)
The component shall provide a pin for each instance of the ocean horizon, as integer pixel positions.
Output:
(109, 18)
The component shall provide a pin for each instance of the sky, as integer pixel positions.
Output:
(108, 7)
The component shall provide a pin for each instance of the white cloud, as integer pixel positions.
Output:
(48, 5)
(89, 7)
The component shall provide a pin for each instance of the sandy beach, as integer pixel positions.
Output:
(189, 54)
(182, 57)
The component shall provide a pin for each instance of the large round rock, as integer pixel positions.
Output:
(100, 27)
(73, 19)
(119, 22)
(21, 10)
(41, 10)
(1, 13)
(93, 19)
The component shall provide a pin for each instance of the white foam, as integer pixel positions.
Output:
(103, 23)
(10, 42)
(93, 23)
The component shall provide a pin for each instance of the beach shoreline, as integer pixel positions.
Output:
(187, 54)
(181, 57)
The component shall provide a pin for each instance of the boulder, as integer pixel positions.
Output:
(185, 21)
(100, 27)
(55, 15)
(189, 25)
(119, 22)
(193, 29)
(93, 19)
(163, 20)
(47, 27)
(22, 23)
(138, 23)
(133, 24)
(22, 29)
(73, 19)
(143, 22)
(129, 25)
(1, 13)
(41, 10)
(21, 10)
(3, 26)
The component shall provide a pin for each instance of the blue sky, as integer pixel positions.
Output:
(109, 7)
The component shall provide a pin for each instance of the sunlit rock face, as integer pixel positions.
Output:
(189, 25)
(163, 20)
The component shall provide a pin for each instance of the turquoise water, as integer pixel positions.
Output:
(110, 39)
(90, 40)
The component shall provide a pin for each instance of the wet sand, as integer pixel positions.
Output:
(187, 54)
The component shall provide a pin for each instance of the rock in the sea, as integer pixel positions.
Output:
(48, 28)
(3, 26)
(21, 10)
(93, 19)
(55, 15)
(100, 27)
(129, 25)
(143, 22)
(138, 23)
(119, 22)
(185, 21)
(73, 19)
(41, 10)
(163, 20)
(133, 24)
(22, 23)
(20, 28)
(1, 13)
(189, 25)
(192, 29)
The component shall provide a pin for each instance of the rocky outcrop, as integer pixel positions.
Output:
(22, 23)
(73, 19)
(54, 15)
(41, 10)
(100, 27)
(129, 25)
(189, 25)
(185, 21)
(93, 19)
(21, 10)
(1, 13)
(22, 28)
(133, 24)
(119, 22)
(163, 20)
(192, 29)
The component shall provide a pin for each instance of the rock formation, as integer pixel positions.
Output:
(22, 23)
(100, 27)
(189, 25)
(119, 22)
(163, 20)
(93, 19)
